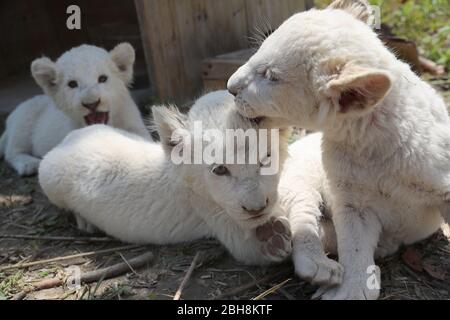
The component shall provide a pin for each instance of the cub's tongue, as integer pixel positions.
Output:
(96, 118)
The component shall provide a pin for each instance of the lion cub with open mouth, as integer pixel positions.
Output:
(86, 85)
(385, 140)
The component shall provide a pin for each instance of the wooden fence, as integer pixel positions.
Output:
(179, 34)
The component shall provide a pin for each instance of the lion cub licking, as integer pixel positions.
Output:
(135, 191)
(385, 142)
(86, 85)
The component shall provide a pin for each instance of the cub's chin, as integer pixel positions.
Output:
(261, 119)
(252, 222)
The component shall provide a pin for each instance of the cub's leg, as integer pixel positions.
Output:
(84, 225)
(3, 138)
(445, 208)
(24, 164)
(313, 237)
(18, 145)
(269, 243)
(357, 231)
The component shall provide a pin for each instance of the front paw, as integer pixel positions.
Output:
(28, 168)
(445, 210)
(276, 239)
(84, 225)
(318, 269)
(348, 290)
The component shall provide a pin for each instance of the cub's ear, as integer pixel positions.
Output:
(356, 89)
(123, 55)
(360, 9)
(171, 125)
(47, 74)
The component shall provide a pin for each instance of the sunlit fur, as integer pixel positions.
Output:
(386, 153)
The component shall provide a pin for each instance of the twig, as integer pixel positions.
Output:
(271, 290)
(14, 224)
(186, 277)
(92, 276)
(44, 284)
(117, 269)
(20, 296)
(80, 255)
(125, 260)
(233, 270)
(250, 285)
(47, 238)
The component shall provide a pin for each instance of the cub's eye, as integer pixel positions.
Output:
(72, 84)
(221, 171)
(102, 79)
(270, 75)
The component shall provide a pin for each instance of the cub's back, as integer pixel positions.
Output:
(95, 160)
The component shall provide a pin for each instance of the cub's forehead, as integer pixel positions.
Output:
(314, 26)
(84, 60)
(314, 33)
(304, 22)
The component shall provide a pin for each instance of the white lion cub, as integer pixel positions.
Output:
(133, 190)
(86, 85)
(385, 138)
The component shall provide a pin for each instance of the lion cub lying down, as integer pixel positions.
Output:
(132, 189)
(85, 86)
(385, 138)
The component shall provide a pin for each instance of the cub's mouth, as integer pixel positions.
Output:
(254, 120)
(259, 216)
(97, 118)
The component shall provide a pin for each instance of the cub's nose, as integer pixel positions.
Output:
(233, 88)
(91, 106)
(239, 80)
(255, 212)
(233, 91)
(234, 85)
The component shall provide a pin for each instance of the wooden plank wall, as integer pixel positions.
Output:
(24, 29)
(178, 34)
(30, 29)
(269, 14)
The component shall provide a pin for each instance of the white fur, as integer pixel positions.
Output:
(130, 188)
(304, 196)
(386, 134)
(39, 124)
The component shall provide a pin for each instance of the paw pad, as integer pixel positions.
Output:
(275, 237)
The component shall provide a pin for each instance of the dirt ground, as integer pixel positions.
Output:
(418, 272)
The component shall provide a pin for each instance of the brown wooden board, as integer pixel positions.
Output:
(267, 15)
(160, 37)
(179, 35)
(223, 66)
